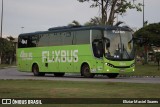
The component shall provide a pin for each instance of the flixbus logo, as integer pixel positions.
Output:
(60, 56)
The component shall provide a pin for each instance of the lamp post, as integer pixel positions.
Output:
(1, 21)
(1, 31)
(22, 29)
(143, 13)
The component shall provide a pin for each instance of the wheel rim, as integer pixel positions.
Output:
(86, 71)
(35, 70)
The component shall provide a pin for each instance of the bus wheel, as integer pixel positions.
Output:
(86, 71)
(112, 75)
(59, 74)
(35, 70)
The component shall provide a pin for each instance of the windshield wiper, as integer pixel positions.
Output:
(124, 50)
(120, 51)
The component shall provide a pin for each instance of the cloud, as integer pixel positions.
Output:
(37, 15)
(40, 14)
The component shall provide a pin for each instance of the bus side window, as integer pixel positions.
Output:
(67, 38)
(55, 39)
(22, 42)
(29, 42)
(43, 40)
(82, 37)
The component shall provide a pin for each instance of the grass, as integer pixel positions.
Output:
(3, 65)
(50, 89)
(66, 89)
(145, 70)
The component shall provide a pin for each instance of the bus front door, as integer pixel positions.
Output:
(98, 54)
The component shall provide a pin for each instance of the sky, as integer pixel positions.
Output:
(24, 16)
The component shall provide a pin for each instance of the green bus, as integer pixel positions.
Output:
(104, 50)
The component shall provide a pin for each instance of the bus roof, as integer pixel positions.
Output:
(77, 28)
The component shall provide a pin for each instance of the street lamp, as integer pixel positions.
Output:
(22, 29)
(143, 13)
(1, 21)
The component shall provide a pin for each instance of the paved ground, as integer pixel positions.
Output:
(12, 73)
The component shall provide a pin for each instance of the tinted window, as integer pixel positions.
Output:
(22, 42)
(27, 41)
(55, 39)
(67, 38)
(82, 37)
(43, 40)
(32, 41)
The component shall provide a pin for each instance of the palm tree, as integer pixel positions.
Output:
(10, 38)
(94, 21)
(74, 23)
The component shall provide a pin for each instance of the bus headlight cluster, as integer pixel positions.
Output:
(108, 64)
(132, 65)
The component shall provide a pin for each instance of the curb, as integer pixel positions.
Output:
(8, 67)
(140, 76)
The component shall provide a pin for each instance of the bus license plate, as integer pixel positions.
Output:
(121, 70)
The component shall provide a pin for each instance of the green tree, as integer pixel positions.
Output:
(149, 36)
(157, 54)
(7, 51)
(109, 8)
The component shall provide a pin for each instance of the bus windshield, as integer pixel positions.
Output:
(118, 45)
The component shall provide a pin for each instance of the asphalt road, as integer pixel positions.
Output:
(13, 73)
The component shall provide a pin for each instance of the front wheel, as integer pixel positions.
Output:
(86, 71)
(112, 75)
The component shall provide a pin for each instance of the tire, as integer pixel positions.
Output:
(35, 70)
(112, 75)
(86, 71)
(59, 74)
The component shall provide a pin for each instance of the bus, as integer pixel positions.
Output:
(89, 51)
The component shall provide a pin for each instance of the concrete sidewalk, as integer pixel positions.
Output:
(8, 67)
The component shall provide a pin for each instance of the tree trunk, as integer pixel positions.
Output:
(158, 65)
(0, 60)
(0, 57)
(111, 16)
(103, 21)
(146, 54)
(105, 12)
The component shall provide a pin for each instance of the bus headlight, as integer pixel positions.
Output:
(108, 64)
(132, 65)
